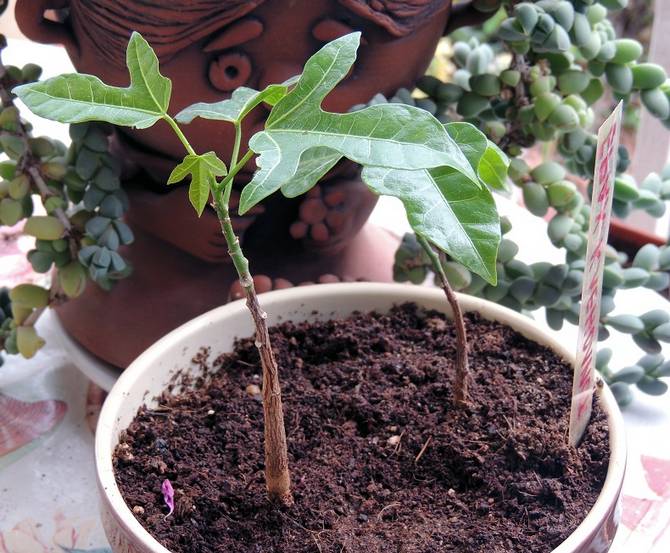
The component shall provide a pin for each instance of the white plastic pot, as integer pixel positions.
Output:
(148, 375)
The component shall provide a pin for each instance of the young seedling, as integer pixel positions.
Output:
(462, 367)
(439, 172)
(457, 215)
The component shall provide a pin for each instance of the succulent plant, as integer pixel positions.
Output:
(533, 77)
(80, 189)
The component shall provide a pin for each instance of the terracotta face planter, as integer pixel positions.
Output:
(209, 48)
(148, 375)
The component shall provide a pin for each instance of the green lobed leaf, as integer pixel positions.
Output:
(455, 214)
(75, 98)
(313, 165)
(234, 109)
(203, 170)
(383, 135)
(485, 157)
(493, 166)
(470, 140)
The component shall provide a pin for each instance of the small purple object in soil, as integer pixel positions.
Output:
(168, 495)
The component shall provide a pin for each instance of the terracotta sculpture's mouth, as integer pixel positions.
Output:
(137, 156)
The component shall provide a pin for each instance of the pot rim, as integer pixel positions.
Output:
(397, 293)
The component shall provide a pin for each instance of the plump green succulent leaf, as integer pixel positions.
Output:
(203, 170)
(455, 214)
(74, 98)
(235, 108)
(383, 135)
(410, 256)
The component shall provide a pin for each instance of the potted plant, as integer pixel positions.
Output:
(155, 369)
(85, 179)
(442, 175)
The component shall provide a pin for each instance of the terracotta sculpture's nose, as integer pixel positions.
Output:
(277, 73)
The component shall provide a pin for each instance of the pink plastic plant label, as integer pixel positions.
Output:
(601, 207)
(168, 495)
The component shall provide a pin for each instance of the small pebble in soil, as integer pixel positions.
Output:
(393, 440)
(253, 390)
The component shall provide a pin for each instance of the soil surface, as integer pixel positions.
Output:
(380, 459)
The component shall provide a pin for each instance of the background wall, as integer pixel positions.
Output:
(7, 24)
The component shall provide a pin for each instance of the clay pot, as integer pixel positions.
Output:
(148, 375)
(629, 239)
(208, 48)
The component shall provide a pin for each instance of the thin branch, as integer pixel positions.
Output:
(173, 124)
(462, 368)
(56, 297)
(423, 449)
(31, 319)
(519, 94)
(277, 476)
(45, 193)
(227, 182)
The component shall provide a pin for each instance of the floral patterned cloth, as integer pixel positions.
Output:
(646, 510)
(48, 495)
(48, 409)
(14, 269)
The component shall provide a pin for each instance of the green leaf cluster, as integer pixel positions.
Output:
(203, 170)
(440, 173)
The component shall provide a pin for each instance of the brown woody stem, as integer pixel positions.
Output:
(277, 476)
(462, 368)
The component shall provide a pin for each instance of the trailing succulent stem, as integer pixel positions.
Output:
(462, 367)
(26, 302)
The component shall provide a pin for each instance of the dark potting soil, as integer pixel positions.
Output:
(379, 457)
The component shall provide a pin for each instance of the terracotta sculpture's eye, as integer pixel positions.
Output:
(229, 71)
(329, 29)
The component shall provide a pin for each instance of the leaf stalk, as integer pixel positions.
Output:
(180, 135)
(227, 182)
